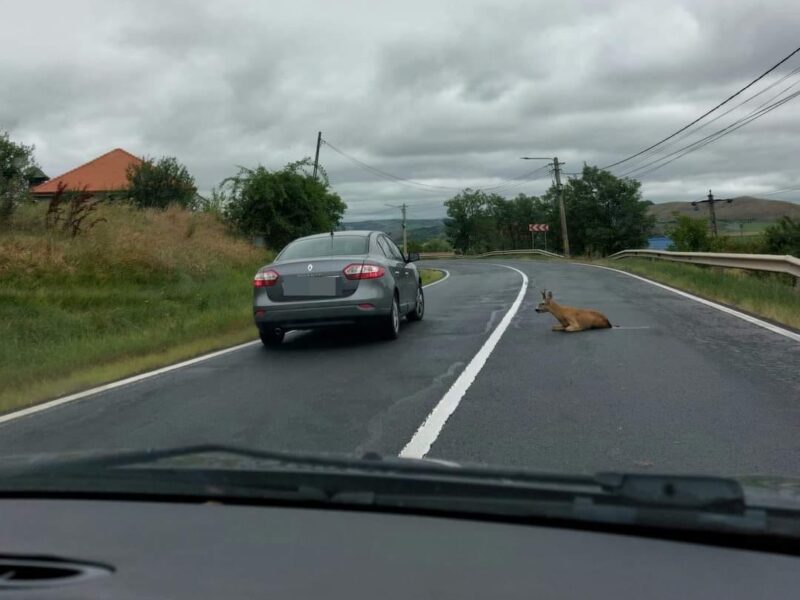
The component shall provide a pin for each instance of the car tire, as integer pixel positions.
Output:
(270, 338)
(419, 306)
(391, 322)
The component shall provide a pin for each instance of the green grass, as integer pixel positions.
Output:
(140, 290)
(430, 275)
(765, 294)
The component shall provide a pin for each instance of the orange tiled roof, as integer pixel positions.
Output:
(105, 173)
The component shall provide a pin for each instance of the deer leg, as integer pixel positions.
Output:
(572, 327)
(558, 328)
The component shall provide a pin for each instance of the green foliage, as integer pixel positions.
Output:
(479, 222)
(16, 161)
(689, 235)
(751, 244)
(159, 183)
(783, 237)
(282, 205)
(605, 213)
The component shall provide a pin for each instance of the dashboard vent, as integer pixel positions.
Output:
(21, 572)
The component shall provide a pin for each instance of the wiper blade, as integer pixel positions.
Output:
(697, 492)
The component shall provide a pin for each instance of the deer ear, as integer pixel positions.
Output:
(549, 295)
(544, 295)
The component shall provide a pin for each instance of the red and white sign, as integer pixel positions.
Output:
(538, 227)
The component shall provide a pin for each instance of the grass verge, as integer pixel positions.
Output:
(765, 294)
(430, 275)
(141, 290)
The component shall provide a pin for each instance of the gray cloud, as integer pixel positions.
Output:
(446, 93)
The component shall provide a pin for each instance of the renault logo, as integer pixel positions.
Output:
(309, 267)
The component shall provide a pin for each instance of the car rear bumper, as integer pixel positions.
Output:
(371, 299)
(315, 317)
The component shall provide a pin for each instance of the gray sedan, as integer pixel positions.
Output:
(338, 278)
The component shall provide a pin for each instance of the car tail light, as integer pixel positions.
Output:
(363, 271)
(265, 278)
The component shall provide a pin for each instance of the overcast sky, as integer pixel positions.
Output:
(449, 94)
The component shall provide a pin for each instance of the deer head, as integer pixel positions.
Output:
(544, 305)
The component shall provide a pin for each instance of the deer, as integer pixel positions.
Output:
(571, 319)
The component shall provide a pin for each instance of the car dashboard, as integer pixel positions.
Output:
(146, 549)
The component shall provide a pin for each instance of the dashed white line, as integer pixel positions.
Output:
(430, 429)
(750, 319)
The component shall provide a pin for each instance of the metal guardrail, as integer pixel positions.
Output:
(752, 262)
(433, 255)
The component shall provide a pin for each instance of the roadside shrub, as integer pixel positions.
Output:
(689, 235)
(783, 237)
(159, 183)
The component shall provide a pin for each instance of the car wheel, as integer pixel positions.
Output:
(270, 338)
(391, 324)
(419, 306)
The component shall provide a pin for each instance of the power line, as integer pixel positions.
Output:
(508, 183)
(387, 175)
(687, 134)
(694, 146)
(705, 114)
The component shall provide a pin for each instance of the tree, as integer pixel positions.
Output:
(157, 184)
(783, 237)
(470, 226)
(605, 213)
(689, 235)
(282, 205)
(16, 161)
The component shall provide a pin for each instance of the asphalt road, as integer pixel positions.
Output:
(677, 387)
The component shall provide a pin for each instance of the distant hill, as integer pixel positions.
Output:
(420, 230)
(743, 208)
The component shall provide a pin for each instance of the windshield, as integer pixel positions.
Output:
(559, 238)
(335, 245)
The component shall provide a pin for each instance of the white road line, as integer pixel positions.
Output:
(110, 386)
(430, 429)
(745, 317)
(446, 275)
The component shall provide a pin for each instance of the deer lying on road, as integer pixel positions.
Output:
(571, 319)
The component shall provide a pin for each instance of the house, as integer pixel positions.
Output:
(106, 175)
(35, 176)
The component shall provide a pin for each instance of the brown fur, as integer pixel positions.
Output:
(572, 319)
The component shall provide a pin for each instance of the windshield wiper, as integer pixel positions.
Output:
(230, 474)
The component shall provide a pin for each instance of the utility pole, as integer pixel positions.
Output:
(403, 207)
(557, 172)
(405, 231)
(712, 213)
(563, 213)
(316, 156)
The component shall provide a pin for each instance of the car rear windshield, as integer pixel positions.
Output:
(335, 245)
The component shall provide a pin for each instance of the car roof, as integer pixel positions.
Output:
(354, 232)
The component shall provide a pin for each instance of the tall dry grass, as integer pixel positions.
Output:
(140, 285)
(136, 245)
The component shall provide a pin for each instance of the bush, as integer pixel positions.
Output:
(282, 205)
(783, 237)
(689, 235)
(16, 160)
(157, 184)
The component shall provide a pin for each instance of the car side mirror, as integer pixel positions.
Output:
(412, 257)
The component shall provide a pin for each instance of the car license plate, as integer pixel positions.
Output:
(310, 286)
